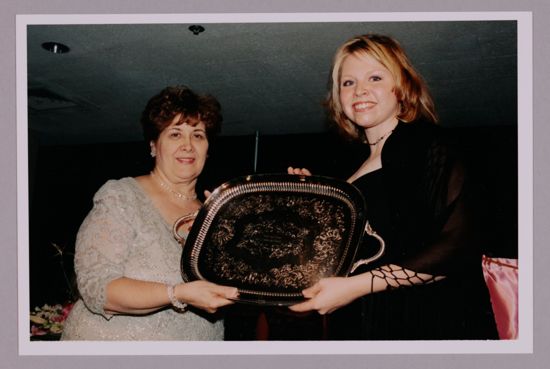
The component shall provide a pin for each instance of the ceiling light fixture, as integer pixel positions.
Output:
(55, 47)
(196, 29)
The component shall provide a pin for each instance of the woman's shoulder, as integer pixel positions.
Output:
(415, 145)
(409, 139)
(419, 131)
(126, 186)
(418, 137)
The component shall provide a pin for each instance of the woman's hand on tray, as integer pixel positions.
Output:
(299, 171)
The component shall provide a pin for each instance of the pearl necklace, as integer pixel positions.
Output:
(179, 195)
(381, 138)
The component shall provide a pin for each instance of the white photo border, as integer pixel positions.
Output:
(524, 343)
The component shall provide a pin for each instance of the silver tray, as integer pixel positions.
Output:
(272, 235)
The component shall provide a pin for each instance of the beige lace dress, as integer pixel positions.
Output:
(125, 236)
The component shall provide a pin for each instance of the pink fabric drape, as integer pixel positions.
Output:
(501, 276)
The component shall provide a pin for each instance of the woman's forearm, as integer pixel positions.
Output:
(131, 296)
(393, 276)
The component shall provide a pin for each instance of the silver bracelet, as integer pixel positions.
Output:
(173, 300)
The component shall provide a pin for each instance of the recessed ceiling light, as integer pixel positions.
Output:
(55, 47)
(196, 29)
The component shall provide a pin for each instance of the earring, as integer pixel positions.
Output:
(153, 154)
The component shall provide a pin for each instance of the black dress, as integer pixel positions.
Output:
(419, 202)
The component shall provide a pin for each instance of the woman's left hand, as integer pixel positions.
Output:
(330, 294)
(298, 171)
(206, 295)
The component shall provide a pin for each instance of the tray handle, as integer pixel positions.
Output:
(370, 232)
(183, 219)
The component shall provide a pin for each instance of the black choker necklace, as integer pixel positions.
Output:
(380, 139)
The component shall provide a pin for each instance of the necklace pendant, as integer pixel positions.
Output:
(380, 138)
(177, 194)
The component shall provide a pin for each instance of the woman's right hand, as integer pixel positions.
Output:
(299, 171)
(330, 294)
(205, 295)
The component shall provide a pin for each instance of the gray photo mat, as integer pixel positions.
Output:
(126, 355)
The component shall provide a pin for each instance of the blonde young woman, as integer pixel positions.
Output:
(127, 261)
(429, 284)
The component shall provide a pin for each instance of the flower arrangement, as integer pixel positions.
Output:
(47, 322)
(49, 319)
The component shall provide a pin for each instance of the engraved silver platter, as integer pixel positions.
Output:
(272, 235)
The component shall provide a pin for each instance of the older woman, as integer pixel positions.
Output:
(127, 260)
(429, 284)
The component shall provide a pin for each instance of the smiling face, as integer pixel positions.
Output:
(366, 93)
(181, 151)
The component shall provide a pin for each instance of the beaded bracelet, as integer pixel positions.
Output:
(173, 300)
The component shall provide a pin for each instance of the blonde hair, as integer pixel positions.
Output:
(410, 89)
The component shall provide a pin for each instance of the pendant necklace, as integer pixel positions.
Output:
(179, 195)
(381, 138)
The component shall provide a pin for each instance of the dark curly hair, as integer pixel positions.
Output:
(173, 100)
